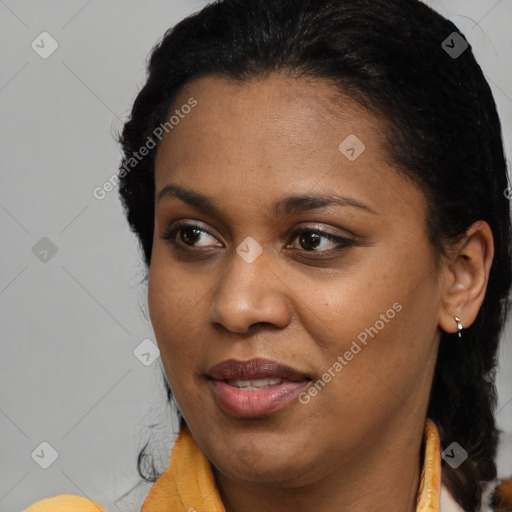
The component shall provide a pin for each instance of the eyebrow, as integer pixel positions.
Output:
(282, 207)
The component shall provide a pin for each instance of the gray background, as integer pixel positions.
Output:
(70, 324)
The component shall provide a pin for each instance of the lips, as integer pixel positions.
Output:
(233, 369)
(256, 387)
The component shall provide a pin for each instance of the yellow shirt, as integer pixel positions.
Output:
(188, 484)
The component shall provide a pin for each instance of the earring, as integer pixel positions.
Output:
(459, 326)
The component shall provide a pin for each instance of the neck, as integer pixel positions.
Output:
(386, 476)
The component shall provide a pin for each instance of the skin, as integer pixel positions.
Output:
(356, 444)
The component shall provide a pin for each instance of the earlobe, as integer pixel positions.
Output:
(466, 277)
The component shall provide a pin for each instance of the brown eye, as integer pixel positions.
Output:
(309, 240)
(189, 235)
(320, 241)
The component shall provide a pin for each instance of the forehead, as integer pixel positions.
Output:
(274, 96)
(292, 135)
(278, 114)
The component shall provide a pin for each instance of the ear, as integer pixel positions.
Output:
(465, 277)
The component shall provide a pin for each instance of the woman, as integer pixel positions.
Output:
(318, 190)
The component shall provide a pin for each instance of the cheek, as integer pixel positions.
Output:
(174, 296)
(345, 306)
(172, 309)
(178, 301)
(382, 322)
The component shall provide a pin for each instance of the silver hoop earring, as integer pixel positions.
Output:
(459, 326)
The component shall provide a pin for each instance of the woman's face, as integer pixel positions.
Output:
(299, 245)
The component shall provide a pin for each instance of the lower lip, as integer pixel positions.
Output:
(252, 403)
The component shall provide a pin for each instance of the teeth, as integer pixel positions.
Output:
(254, 384)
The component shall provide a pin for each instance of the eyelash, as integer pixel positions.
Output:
(343, 243)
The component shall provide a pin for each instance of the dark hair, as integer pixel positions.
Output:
(444, 133)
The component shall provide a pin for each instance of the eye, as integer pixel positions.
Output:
(317, 240)
(189, 235)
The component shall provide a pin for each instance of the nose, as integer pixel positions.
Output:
(250, 294)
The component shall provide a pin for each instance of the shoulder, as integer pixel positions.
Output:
(501, 497)
(65, 503)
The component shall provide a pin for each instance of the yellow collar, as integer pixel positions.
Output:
(188, 485)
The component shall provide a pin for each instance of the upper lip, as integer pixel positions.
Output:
(259, 368)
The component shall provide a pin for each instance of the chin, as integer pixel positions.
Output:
(264, 463)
